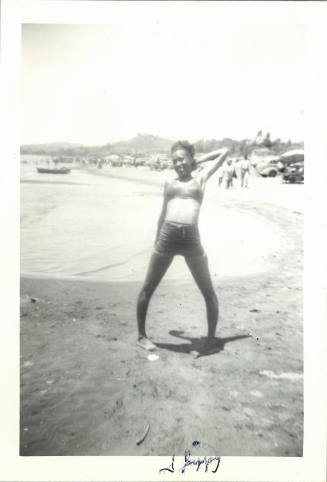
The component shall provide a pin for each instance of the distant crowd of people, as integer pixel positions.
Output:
(231, 171)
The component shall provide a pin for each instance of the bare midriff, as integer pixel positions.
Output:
(183, 210)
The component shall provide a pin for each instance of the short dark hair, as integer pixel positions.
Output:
(183, 145)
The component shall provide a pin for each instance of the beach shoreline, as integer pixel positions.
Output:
(87, 389)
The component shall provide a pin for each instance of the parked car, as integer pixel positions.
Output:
(114, 160)
(140, 161)
(268, 168)
(293, 172)
(158, 163)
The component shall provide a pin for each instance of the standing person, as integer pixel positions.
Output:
(245, 169)
(220, 175)
(237, 167)
(228, 170)
(178, 234)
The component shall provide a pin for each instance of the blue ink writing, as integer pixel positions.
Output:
(198, 462)
(171, 466)
(188, 462)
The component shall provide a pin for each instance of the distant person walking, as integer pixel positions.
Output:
(245, 170)
(237, 169)
(220, 176)
(228, 173)
(178, 234)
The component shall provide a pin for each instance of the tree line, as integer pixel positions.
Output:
(144, 144)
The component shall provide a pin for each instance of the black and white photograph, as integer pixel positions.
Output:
(162, 176)
(161, 203)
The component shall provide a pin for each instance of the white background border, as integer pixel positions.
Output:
(311, 467)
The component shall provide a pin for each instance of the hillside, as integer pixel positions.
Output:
(140, 144)
(143, 144)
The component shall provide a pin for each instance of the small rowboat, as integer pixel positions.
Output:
(44, 170)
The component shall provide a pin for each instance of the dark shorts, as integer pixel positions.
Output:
(176, 238)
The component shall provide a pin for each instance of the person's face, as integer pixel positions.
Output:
(182, 162)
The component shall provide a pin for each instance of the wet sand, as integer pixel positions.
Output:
(87, 389)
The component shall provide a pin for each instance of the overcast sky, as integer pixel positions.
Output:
(94, 84)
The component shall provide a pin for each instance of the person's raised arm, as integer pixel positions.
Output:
(216, 157)
(163, 211)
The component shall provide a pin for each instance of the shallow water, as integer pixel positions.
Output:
(92, 226)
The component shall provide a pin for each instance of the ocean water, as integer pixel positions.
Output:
(89, 226)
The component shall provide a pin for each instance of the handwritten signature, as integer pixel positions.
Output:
(192, 462)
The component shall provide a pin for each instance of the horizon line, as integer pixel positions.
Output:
(153, 135)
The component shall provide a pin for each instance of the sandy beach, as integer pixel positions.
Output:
(87, 389)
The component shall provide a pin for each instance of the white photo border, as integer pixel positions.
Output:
(312, 466)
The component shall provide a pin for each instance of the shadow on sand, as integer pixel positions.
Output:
(196, 346)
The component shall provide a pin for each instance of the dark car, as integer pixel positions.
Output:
(293, 172)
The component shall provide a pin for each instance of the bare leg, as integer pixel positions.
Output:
(159, 263)
(199, 268)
